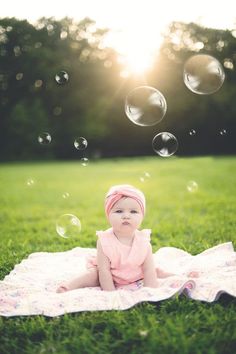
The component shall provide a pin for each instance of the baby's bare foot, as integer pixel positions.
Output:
(62, 289)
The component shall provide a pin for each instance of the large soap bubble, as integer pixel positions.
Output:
(203, 74)
(165, 144)
(68, 225)
(145, 106)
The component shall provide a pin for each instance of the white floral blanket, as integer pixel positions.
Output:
(30, 288)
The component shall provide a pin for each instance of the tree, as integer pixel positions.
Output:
(91, 103)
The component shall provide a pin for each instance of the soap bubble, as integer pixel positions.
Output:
(143, 333)
(192, 186)
(145, 106)
(68, 225)
(228, 64)
(192, 132)
(30, 182)
(57, 110)
(203, 74)
(84, 161)
(38, 83)
(145, 176)
(65, 195)
(19, 76)
(80, 143)
(44, 138)
(62, 77)
(165, 144)
(223, 132)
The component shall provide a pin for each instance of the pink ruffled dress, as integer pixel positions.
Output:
(126, 261)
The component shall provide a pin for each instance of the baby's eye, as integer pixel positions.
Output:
(134, 211)
(118, 211)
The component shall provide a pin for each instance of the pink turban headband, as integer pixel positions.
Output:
(115, 193)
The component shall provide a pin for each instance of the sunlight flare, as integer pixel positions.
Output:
(136, 48)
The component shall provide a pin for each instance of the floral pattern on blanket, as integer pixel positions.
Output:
(30, 288)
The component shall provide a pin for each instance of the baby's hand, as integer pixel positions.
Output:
(193, 274)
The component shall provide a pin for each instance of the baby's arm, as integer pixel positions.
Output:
(104, 273)
(150, 277)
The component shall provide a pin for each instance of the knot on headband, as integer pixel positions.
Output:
(115, 193)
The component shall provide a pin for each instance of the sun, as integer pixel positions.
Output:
(136, 60)
(136, 48)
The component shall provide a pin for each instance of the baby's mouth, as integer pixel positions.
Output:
(125, 223)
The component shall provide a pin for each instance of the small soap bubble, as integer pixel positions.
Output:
(44, 138)
(147, 174)
(80, 143)
(228, 64)
(145, 106)
(47, 348)
(68, 225)
(144, 177)
(65, 195)
(63, 34)
(57, 110)
(38, 45)
(223, 132)
(62, 77)
(19, 76)
(203, 74)
(192, 186)
(165, 144)
(192, 132)
(38, 83)
(84, 161)
(30, 182)
(143, 333)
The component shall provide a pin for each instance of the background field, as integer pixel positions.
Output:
(190, 221)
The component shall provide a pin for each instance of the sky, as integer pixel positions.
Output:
(129, 19)
(123, 13)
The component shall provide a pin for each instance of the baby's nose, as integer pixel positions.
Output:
(126, 215)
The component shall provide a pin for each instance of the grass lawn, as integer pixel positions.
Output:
(190, 221)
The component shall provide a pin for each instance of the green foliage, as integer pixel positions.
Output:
(190, 221)
(91, 104)
(206, 114)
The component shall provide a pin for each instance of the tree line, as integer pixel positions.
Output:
(91, 103)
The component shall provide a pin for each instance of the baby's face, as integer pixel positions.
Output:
(126, 216)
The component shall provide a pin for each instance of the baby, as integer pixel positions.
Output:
(124, 253)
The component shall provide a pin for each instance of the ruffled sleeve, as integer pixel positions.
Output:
(147, 234)
(106, 241)
(99, 233)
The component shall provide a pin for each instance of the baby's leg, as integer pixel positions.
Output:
(193, 274)
(162, 274)
(90, 278)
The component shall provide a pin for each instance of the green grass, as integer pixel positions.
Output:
(191, 221)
